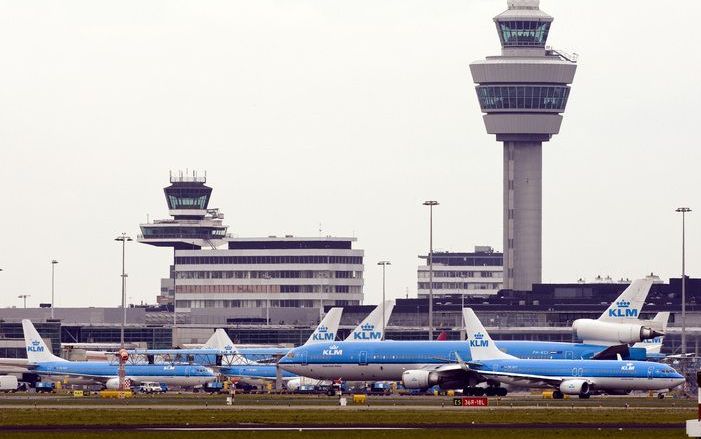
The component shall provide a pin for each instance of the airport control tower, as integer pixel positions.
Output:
(523, 93)
(193, 226)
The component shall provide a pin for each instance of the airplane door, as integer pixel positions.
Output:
(304, 359)
(363, 358)
(187, 371)
(568, 355)
(649, 373)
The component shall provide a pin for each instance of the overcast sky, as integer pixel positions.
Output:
(346, 113)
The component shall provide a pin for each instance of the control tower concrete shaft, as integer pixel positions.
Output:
(523, 93)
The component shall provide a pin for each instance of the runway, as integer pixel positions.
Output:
(402, 407)
(336, 427)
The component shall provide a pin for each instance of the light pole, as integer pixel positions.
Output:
(384, 266)
(175, 287)
(430, 205)
(53, 269)
(683, 211)
(124, 239)
(24, 296)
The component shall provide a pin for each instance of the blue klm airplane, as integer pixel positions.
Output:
(42, 362)
(572, 377)
(423, 364)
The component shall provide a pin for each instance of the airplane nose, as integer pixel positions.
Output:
(678, 382)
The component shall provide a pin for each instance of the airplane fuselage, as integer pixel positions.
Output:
(176, 375)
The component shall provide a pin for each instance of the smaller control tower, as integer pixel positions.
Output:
(523, 93)
(193, 225)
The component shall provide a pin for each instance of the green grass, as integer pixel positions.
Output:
(351, 434)
(229, 416)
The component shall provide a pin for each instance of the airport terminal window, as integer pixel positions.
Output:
(523, 97)
(523, 33)
(198, 260)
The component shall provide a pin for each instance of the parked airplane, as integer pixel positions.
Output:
(620, 323)
(571, 377)
(43, 363)
(255, 373)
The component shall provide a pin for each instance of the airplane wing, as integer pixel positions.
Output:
(15, 362)
(523, 377)
(612, 352)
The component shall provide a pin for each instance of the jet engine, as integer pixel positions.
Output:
(595, 330)
(113, 383)
(293, 384)
(574, 387)
(419, 379)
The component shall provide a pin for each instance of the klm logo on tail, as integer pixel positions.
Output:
(479, 341)
(623, 310)
(367, 333)
(323, 334)
(35, 347)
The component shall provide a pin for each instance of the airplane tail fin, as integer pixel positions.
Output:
(37, 351)
(327, 329)
(371, 329)
(662, 318)
(220, 340)
(481, 345)
(630, 302)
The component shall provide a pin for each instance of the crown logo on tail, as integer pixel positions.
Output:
(623, 303)
(367, 327)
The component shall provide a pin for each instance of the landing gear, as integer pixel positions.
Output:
(584, 395)
(660, 396)
(481, 391)
(558, 395)
(495, 391)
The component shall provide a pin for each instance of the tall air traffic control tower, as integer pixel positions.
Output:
(523, 93)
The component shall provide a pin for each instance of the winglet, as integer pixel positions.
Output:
(370, 329)
(37, 351)
(461, 362)
(481, 345)
(328, 328)
(630, 303)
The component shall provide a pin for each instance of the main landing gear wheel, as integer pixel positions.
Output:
(660, 395)
(495, 391)
(558, 395)
(474, 391)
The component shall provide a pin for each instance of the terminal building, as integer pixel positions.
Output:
(217, 278)
(474, 274)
